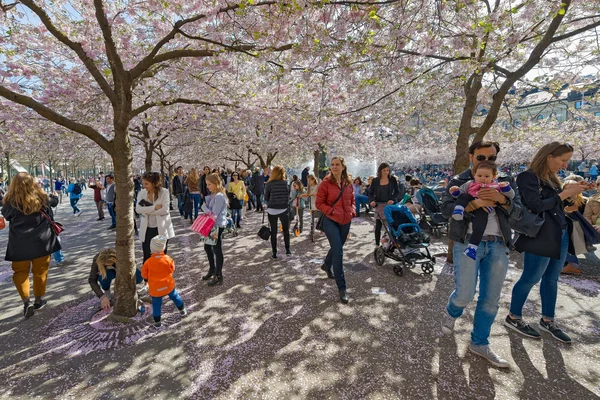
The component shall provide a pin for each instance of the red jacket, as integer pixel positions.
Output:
(158, 270)
(344, 210)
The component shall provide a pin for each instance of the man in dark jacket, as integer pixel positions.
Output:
(179, 188)
(258, 188)
(492, 266)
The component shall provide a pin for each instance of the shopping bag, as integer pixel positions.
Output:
(203, 224)
(209, 239)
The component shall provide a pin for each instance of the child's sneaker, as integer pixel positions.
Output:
(183, 312)
(471, 252)
(156, 324)
(458, 212)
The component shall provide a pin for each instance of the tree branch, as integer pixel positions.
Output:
(57, 118)
(111, 49)
(147, 106)
(76, 47)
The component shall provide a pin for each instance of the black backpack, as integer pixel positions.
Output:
(77, 189)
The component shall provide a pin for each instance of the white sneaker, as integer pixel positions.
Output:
(448, 323)
(487, 353)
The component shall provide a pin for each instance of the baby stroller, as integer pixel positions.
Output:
(403, 241)
(230, 228)
(432, 219)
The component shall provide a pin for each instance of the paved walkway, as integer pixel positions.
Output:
(275, 330)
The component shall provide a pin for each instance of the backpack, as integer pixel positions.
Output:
(77, 189)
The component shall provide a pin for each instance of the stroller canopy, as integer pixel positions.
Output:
(399, 217)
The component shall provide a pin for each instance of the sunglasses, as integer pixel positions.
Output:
(481, 157)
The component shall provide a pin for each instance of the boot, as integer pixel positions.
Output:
(216, 280)
(208, 276)
(344, 297)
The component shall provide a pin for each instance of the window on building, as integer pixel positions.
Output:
(597, 114)
(578, 104)
(540, 116)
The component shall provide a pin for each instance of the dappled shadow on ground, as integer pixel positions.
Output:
(276, 329)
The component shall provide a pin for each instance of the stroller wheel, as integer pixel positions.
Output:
(379, 254)
(398, 270)
(427, 268)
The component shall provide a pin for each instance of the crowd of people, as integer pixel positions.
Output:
(482, 206)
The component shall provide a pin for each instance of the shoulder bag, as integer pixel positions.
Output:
(55, 226)
(264, 232)
(530, 223)
(319, 225)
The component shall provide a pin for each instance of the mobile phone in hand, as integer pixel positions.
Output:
(144, 203)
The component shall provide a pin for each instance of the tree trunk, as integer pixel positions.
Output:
(125, 299)
(461, 162)
(148, 159)
(316, 155)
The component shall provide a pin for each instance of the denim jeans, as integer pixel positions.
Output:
(74, 201)
(157, 303)
(111, 274)
(58, 256)
(180, 202)
(112, 213)
(535, 268)
(360, 199)
(337, 235)
(491, 266)
(196, 198)
(236, 215)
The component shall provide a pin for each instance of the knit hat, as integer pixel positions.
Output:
(158, 244)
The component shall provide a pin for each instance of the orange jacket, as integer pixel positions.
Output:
(158, 271)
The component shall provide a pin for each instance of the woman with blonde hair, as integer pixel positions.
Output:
(215, 203)
(193, 184)
(103, 272)
(277, 194)
(153, 207)
(31, 240)
(542, 193)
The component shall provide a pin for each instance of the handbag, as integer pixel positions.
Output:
(56, 227)
(530, 223)
(204, 224)
(319, 225)
(209, 240)
(264, 232)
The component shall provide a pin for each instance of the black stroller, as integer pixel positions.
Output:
(404, 241)
(432, 219)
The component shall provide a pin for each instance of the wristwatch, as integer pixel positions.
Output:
(506, 202)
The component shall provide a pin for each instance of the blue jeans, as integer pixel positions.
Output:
(535, 268)
(74, 201)
(196, 198)
(491, 266)
(337, 235)
(236, 216)
(180, 202)
(58, 256)
(112, 213)
(157, 303)
(360, 199)
(111, 274)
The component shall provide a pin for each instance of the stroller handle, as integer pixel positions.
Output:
(416, 226)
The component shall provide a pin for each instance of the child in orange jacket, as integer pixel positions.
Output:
(158, 271)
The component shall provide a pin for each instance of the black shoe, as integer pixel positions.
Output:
(28, 310)
(274, 256)
(207, 276)
(216, 280)
(111, 227)
(238, 226)
(519, 326)
(344, 297)
(554, 330)
(40, 305)
(99, 219)
(328, 271)
(288, 252)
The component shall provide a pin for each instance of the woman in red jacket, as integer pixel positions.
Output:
(335, 199)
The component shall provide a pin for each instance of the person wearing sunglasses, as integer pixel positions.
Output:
(491, 263)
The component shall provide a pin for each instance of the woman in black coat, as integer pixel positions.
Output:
(541, 192)
(382, 191)
(31, 240)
